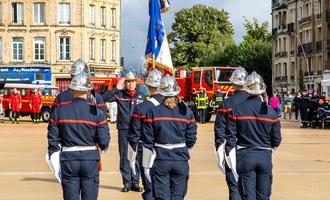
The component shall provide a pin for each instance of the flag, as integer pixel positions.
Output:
(164, 6)
(157, 42)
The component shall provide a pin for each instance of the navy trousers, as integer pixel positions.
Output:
(80, 179)
(170, 179)
(147, 186)
(232, 185)
(125, 170)
(254, 167)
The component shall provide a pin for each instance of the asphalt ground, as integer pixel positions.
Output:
(301, 166)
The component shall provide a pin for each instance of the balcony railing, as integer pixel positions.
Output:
(319, 16)
(281, 54)
(292, 52)
(281, 78)
(277, 4)
(305, 19)
(318, 46)
(291, 28)
(274, 31)
(283, 26)
(311, 73)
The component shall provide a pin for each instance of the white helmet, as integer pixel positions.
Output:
(78, 67)
(80, 82)
(130, 76)
(254, 84)
(153, 79)
(238, 76)
(168, 86)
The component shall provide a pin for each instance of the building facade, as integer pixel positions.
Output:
(55, 33)
(300, 47)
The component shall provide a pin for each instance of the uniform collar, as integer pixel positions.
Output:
(158, 97)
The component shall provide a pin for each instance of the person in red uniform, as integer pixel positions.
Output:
(35, 105)
(15, 104)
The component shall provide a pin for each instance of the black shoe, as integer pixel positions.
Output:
(125, 188)
(136, 188)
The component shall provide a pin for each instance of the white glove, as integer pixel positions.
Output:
(132, 165)
(147, 174)
(221, 158)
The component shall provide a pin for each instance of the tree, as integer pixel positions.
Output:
(198, 33)
(255, 52)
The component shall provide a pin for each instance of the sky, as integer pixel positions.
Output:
(135, 19)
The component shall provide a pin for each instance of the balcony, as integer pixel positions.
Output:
(274, 31)
(278, 78)
(281, 54)
(318, 46)
(319, 16)
(311, 73)
(291, 28)
(283, 26)
(292, 52)
(305, 19)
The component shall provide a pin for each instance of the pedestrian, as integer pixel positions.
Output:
(136, 128)
(304, 109)
(220, 128)
(169, 131)
(65, 97)
(202, 102)
(254, 131)
(127, 97)
(75, 133)
(297, 102)
(15, 105)
(275, 103)
(35, 103)
(313, 106)
(288, 99)
(218, 97)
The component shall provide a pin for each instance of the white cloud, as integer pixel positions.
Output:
(135, 21)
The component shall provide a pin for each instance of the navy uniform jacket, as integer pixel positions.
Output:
(222, 118)
(137, 120)
(165, 126)
(65, 97)
(126, 105)
(78, 124)
(254, 124)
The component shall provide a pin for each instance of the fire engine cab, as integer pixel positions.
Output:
(48, 96)
(210, 78)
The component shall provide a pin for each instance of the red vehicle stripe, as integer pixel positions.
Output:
(253, 118)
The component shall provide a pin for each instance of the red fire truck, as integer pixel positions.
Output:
(48, 96)
(210, 78)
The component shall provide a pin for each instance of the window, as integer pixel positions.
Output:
(92, 15)
(65, 48)
(38, 13)
(113, 50)
(91, 49)
(207, 75)
(284, 44)
(285, 70)
(18, 49)
(102, 52)
(197, 77)
(17, 13)
(39, 49)
(64, 13)
(113, 18)
(103, 17)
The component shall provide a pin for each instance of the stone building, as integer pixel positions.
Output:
(54, 33)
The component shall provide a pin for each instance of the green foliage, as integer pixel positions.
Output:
(198, 34)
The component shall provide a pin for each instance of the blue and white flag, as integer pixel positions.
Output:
(157, 42)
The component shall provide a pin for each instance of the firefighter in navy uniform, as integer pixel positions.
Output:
(304, 109)
(77, 130)
(254, 132)
(313, 106)
(220, 128)
(65, 97)
(136, 128)
(127, 98)
(202, 101)
(169, 131)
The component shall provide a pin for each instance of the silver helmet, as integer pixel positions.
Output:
(238, 76)
(130, 76)
(153, 78)
(168, 86)
(80, 82)
(254, 84)
(78, 67)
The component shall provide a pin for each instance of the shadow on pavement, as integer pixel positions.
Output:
(50, 180)
(110, 187)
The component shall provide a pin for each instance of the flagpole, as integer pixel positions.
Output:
(153, 61)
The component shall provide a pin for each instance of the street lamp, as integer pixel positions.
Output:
(305, 57)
